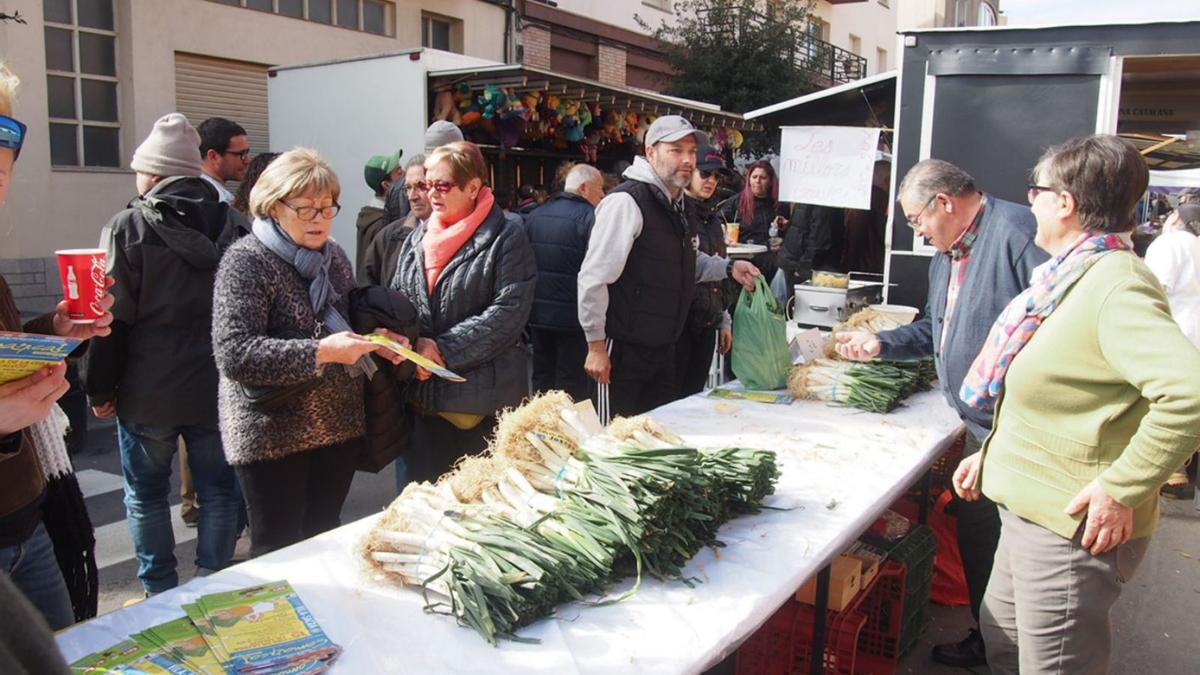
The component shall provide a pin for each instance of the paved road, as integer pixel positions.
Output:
(1155, 625)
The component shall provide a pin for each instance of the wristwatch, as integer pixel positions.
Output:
(729, 268)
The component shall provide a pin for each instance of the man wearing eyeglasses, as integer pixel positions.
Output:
(985, 258)
(224, 153)
(156, 373)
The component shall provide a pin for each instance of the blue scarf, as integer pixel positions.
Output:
(313, 267)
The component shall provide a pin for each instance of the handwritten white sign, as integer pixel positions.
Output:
(830, 166)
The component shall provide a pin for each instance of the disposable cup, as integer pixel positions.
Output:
(82, 271)
(732, 230)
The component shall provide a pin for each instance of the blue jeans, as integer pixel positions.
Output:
(146, 453)
(34, 569)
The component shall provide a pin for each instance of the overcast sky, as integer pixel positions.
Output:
(1041, 12)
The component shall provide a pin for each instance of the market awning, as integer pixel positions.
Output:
(521, 79)
(1165, 152)
(868, 102)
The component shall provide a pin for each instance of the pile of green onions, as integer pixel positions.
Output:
(874, 386)
(556, 511)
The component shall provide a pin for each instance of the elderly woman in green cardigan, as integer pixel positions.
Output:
(1097, 398)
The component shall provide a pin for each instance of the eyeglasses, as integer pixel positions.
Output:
(915, 221)
(310, 212)
(12, 134)
(442, 186)
(1034, 190)
(705, 175)
(241, 154)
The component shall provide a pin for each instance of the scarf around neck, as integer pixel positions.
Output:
(443, 241)
(313, 267)
(1025, 313)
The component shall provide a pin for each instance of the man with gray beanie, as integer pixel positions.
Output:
(155, 373)
(640, 273)
(396, 205)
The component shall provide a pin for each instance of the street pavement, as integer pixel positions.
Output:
(1155, 624)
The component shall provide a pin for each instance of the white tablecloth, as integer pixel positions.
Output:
(840, 469)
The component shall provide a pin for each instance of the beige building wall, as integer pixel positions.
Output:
(50, 208)
(873, 22)
(918, 14)
(621, 13)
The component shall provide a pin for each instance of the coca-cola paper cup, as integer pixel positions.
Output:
(82, 273)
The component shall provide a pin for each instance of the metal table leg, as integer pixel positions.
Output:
(816, 664)
(926, 491)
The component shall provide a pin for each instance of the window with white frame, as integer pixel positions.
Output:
(368, 16)
(438, 33)
(81, 83)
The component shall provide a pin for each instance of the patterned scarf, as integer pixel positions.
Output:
(313, 266)
(1021, 318)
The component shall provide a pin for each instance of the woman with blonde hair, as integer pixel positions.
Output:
(291, 390)
(470, 272)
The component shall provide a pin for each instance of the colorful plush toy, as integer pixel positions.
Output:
(735, 139)
(463, 98)
(492, 101)
(568, 112)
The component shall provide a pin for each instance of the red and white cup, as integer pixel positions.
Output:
(83, 278)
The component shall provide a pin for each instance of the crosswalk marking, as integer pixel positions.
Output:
(93, 482)
(114, 543)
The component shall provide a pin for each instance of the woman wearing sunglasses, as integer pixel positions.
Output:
(291, 391)
(708, 323)
(470, 272)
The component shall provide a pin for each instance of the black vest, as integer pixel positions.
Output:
(648, 305)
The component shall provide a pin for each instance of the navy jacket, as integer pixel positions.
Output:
(558, 231)
(1002, 260)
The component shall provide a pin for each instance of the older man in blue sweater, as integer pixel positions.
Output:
(985, 257)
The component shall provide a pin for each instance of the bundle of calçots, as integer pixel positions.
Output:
(874, 386)
(558, 508)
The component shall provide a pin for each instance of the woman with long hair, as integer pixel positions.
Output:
(756, 211)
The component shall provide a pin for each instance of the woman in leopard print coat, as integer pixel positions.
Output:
(295, 462)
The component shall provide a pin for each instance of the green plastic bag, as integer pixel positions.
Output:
(761, 358)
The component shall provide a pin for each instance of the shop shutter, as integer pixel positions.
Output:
(208, 87)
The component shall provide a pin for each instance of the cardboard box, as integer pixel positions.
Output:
(845, 581)
(870, 559)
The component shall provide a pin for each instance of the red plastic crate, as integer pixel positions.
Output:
(883, 607)
(841, 639)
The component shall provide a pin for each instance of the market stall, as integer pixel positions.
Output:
(840, 468)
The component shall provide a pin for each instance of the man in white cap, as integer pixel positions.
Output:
(156, 372)
(640, 273)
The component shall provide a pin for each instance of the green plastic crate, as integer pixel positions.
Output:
(915, 551)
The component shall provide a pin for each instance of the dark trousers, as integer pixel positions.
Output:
(558, 358)
(297, 497)
(693, 360)
(978, 537)
(437, 445)
(643, 378)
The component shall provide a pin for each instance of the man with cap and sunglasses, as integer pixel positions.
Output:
(640, 273)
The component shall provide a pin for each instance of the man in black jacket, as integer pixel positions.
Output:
(558, 231)
(156, 371)
(639, 275)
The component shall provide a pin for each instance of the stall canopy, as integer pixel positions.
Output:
(1165, 152)
(523, 79)
(869, 102)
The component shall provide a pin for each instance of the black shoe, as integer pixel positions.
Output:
(965, 654)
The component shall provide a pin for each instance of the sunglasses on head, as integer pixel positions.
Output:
(12, 134)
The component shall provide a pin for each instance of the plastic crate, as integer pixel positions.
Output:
(879, 640)
(915, 552)
(943, 469)
(783, 645)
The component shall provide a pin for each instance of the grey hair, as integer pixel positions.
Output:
(932, 176)
(580, 174)
(417, 160)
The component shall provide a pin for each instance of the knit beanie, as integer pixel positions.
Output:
(171, 149)
(441, 133)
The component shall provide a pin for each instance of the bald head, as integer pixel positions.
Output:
(586, 181)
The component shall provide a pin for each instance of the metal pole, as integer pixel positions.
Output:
(816, 663)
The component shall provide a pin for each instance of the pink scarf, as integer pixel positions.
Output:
(443, 241)
(1021, 318)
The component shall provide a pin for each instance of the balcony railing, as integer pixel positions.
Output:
(826, 64)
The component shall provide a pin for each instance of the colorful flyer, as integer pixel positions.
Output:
(23, 354)
(440, 371)
(130, 658)
(181, 640)
(757, 396)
